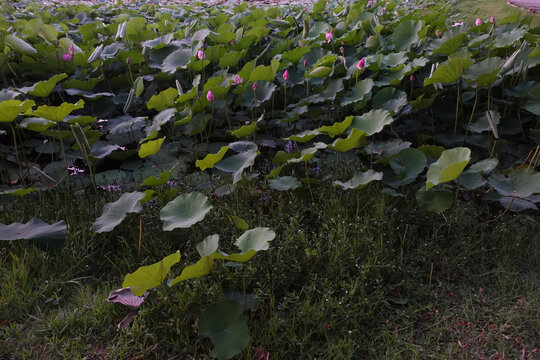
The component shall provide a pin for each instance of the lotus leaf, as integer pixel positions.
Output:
(56, 113)
(10, 109)
(435, 200)
(184, 211)
(148, 277)
(211, 159)
(518, 183)
(448, 167)
(150, 148)
(114, 213)
(44, 88)
(284, 183)
(450, 71)
(372, 122)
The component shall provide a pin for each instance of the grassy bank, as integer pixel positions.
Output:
(348, 277)
(471, 9)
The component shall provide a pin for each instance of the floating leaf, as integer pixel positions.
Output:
(226, 325)
(360, 180)
(448, 167)
(114, 213)
(284, 183)
(184, 211)
(148, 277)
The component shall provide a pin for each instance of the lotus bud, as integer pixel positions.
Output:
(329, 37)
(200, 54)
(210, 96)
(286, 75)
(66, 57)
(438, 33)
(411, 77)
(305, 63)
(254, 86)
(71, 50)
(478, 22)
(492, 19)
(360, 64)
(128, 61)
(237, 80)
(343, 43)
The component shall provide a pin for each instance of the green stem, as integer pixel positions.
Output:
(457, 110)
(472, 114)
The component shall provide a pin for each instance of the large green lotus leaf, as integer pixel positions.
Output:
(320, 72)
(43, 88)
(421, 103)
(394, 61)
(191, 94)
(329, 93)
(358, 93)
(160, 119)
(309, 153)
(485, 72)
(295, 54)
(304, 136)
(484, 124)
(250, 242)
(184, 211)
(263, 93)
(407, 164)
(387, 148)
(532, 104)
(372, 122)
(318, 28)
(159, 41)
(136, 30)
(10, 109)
(177, 59)
(264, 73)
(163, 178)
(516, 204)
(484, 167)
(88, 85)
(197, 124)
(507, 38)
(150, 148)
(56, 113)
(450, 71)
(226, 325)
(448, 167)
(148, 277)
(359, 180)
(449, 43)
(284, 183)
(114, 213)
(356, 139)
(231, 59)
(518, 183)
(237, 163)
(245, 130)
(219, 85)
(406, 34)
(36, 124)
(432, 151)
(198, 65)
(389, 99)
(211, 159)
(20, 45)
(435, 200)
(471, 180)
(207, 249)
(35, 229)
(163, 100)
(337, 128)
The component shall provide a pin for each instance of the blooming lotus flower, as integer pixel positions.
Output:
(329, 37)
(360, 64)
(210, 96)
(286, 75)
(478, 22)
(237, 80)
(254, 86)
(200, 54)
(492, 19)
(66, 57)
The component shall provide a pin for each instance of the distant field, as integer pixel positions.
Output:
(485, 8)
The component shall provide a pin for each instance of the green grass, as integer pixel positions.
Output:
(368, 293)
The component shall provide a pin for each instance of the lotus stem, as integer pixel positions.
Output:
(457, 109)
(472, 113)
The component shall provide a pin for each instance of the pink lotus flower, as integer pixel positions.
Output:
(329, 37)
(237, 80)
(200, 54)
(341, 50)
(478, 22)
(438, 33)
(457, 24)
(210, 96)
(66, 57)
(305, 63)
(411, 77)
(254, 86)
(128, 61)
(360, 64)
(492, 19)
(71, 50)
(286, 75)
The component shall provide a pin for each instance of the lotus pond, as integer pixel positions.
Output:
(263, 181)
